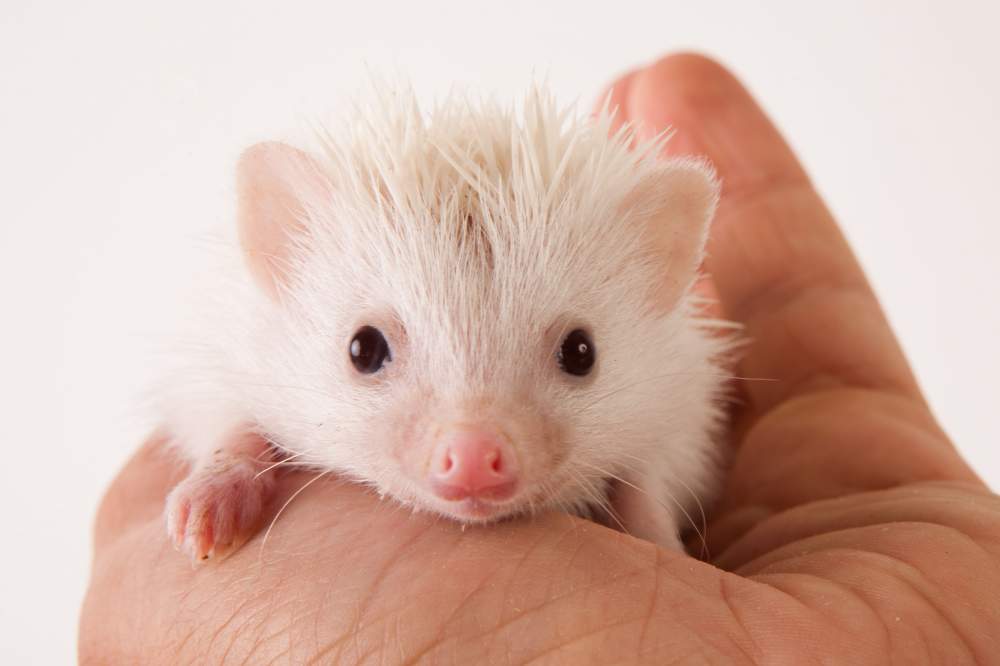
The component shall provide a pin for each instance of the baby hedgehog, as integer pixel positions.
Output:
(478, 311)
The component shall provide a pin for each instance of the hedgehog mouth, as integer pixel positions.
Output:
(483, 509)
(478, 510)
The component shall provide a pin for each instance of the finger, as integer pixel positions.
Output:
(843, 412)
(779, 263)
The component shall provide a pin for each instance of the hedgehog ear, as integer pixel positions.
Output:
(675, 204)
(274, 183)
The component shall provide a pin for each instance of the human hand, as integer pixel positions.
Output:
(849, 529)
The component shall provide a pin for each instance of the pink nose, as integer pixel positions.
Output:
(473, 463)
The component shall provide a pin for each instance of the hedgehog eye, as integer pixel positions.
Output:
(369, 350)
(577, 354)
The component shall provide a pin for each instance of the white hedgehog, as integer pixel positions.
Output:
(479, 311)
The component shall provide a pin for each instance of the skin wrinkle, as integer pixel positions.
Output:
(928, 600)
(775, 487)
(256, 623)
(276, 657)
(884, 648)
(687, 658)
(187, 637)
(518, 565)
(777, 424)
(218, 633)
(874, 503)
(359, 622)
(924, 649)
(337, 644)
(578, 546)
(953, 534)
(241, 628)
(440, 638)
(802, 296)
(277, 634)
(779, 282)
(526, 613)
(653, 594)
(266, 605)
(353, 632)
(753, 652)
(559, 601)
(784, 582)
(851, 370)
(575, 592)
(362, 627)
(234, 634)
(318, 614)
(376, 648)
(683, 658)
(456, 612)
(435, 645)
(561, 646)
(550, 600)
(876, 561)
(900, 566)
(399, 640)
(660, 600)
(849, 395)
(286, 632)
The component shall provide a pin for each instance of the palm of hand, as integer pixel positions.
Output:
(850, 530)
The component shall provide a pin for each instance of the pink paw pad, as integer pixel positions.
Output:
(219, 507)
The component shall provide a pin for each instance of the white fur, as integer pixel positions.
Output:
(474, 312)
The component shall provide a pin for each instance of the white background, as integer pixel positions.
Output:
(120, 122)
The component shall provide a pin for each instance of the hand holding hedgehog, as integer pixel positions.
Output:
(848, 528)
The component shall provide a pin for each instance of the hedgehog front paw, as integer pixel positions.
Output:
(217, 508)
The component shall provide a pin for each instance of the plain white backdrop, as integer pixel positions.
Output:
(120, 123)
